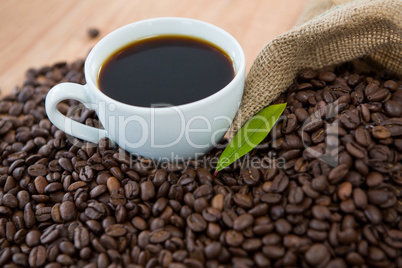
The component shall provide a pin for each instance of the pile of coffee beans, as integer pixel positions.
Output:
(68, 203)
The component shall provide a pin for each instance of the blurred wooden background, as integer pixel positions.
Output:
(40, 32)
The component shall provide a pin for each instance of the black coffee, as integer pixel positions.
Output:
(167, 69)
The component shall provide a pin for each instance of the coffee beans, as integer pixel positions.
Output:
(68, 211)
(116, 230)
(63, 203)
(159, 236)
(243, 222)
(37, 256)
(196, 222)
(113, 184)
(95, 211)
(147, 190)
(93, 32)
(345, 190)
(317, 255)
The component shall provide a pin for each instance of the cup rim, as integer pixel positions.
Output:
(237, 78)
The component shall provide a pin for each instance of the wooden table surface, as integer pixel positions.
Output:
(40, 32)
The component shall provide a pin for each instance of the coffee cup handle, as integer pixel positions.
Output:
(73, 91)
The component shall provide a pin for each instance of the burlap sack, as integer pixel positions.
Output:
(368, 30)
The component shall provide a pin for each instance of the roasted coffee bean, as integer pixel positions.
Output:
(81, 237)
(312, 123)
(217, 202)
(93, 32)
(359, 198)
(362, 136)
(37, 170)
(10, 201)
(68, 211)
(301, 115)
(76, 185)
(56, 216)
(211, 214)
(326, 76)
(317, 255)
(196, 222)
(394, 238)
(345, 190)
(20, 259)
(65, 163)
(308, 74)
(116, 230)
(321, 212)
(97, 191)
(113, 184)
(365, 112)
(356, 150)
(251, 176)
(271, 239)
(33, 238)
(378, 196)
(271, 198)
(380, 132)
(5, 255)
(86, 174)
(50, 235)
(213, 250)
(43, 214)
(40, 184)
(234, 238)
(147, 190)
(296, 195)
(393, 108)
(242, 222)
(290, 123)
(373, 214)
(95, 211)
(282, 226)
(243, 201)
(132, 190)
(338, 173)
(374, 179)
(159, 236)
(117, 197)
(53, 187)
(350, 119)
(391, 85)
(273, 252)
(319, 183)
(37, 256)
(279, 183)
(139, 223)
(67, 248)
(377, 95)
(52, 252)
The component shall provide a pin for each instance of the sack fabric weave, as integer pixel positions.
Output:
(369, 31)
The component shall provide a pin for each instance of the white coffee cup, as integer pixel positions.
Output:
(183, 131)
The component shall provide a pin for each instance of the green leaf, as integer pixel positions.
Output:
(250, 135)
